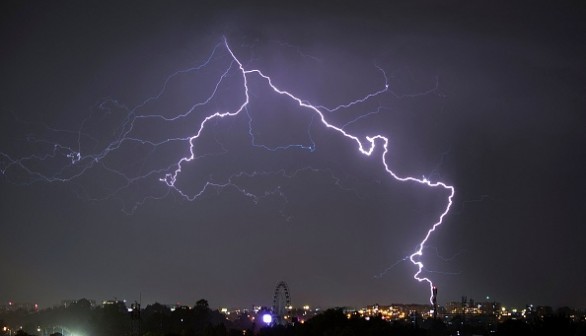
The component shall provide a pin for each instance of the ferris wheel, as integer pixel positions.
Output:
(281, 302)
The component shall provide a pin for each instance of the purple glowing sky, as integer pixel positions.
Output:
(488, 100)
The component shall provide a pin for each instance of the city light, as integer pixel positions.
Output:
(267, 318)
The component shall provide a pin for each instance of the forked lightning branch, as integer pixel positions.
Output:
(169, 175)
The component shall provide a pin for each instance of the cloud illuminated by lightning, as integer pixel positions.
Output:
(128, 132)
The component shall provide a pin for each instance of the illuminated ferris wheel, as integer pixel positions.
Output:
(281, 302)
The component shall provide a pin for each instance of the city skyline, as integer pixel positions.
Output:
(482, 97)
(75, 317)
(471, 303)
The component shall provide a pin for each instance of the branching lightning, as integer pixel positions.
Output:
(80, 159)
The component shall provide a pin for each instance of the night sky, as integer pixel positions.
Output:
(489, 97)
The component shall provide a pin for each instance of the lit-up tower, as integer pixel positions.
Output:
(434, 301)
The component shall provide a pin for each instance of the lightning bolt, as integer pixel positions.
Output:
(127, 132)
(364, 147)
